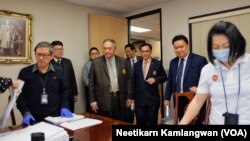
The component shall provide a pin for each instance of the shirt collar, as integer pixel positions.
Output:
(148, 60)
(35, 68)
(57, 59)
(134, 58)
(112, 58)
(185, 58)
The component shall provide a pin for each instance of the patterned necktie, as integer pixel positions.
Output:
(179, 76)
(114, 84)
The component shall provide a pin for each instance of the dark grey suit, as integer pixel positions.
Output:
(99, 85)
(69, 74)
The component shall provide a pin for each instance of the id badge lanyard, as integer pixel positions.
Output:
(224, 89)
(44, 95)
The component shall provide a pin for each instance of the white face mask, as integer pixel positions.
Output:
(222, 54)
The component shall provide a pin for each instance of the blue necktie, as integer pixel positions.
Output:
(58, 61)
(179, 76)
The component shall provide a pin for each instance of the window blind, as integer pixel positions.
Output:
(200, 27)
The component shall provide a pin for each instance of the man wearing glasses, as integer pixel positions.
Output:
(68, 70)
(45, 92)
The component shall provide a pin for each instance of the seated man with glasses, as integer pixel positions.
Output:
(45, 91)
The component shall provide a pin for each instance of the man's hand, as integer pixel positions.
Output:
(75, 98)
(66, 113)
(167, 103)
(193, 89)
(28, 119)
(94, 106)
(150, 81)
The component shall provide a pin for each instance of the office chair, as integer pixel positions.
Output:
(189, 96)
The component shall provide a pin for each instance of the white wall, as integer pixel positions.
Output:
(54, 20)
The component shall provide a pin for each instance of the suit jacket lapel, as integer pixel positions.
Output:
(105, 66)
(117, 63)
(188, 64)
(140, 71)
(175, 67)
(151, 66)
(62, 63)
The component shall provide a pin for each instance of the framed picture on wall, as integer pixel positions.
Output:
(15, 37)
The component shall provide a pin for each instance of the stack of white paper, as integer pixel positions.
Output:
(51, 132)
(73, 123)
(82, 123)
(14, 93)
(59, 120)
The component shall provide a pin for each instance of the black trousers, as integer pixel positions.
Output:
(129, 115)
(116, 110)
(147, 114)
(71, 103)
(88, 108)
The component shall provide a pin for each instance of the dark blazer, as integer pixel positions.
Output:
(142, 91)
(128, 62)
(192, 72)
(99, 83)
(69, 74)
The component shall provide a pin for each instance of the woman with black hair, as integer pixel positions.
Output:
(226, 78)
(93, 54)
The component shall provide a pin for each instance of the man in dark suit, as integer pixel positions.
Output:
(68, 70)
(109, 83)
(189, 74)
(131, 59)
(148, 74)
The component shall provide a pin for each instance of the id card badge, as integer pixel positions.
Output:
(44, 98)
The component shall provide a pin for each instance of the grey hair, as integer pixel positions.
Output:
(111, 41)
(44, 44)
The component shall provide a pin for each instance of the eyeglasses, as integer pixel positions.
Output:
(58, 49)
(42, 55)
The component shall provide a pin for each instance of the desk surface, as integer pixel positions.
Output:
(100, 132)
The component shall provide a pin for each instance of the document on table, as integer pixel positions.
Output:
(82, 123)
(51, 132)
(14, 93)
(59, 119)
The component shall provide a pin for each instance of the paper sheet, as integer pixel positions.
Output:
(14, 93)
(59, 119)
(82, 123)
(50, 131)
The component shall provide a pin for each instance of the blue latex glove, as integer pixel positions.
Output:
(28, 119)
(66, 113)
